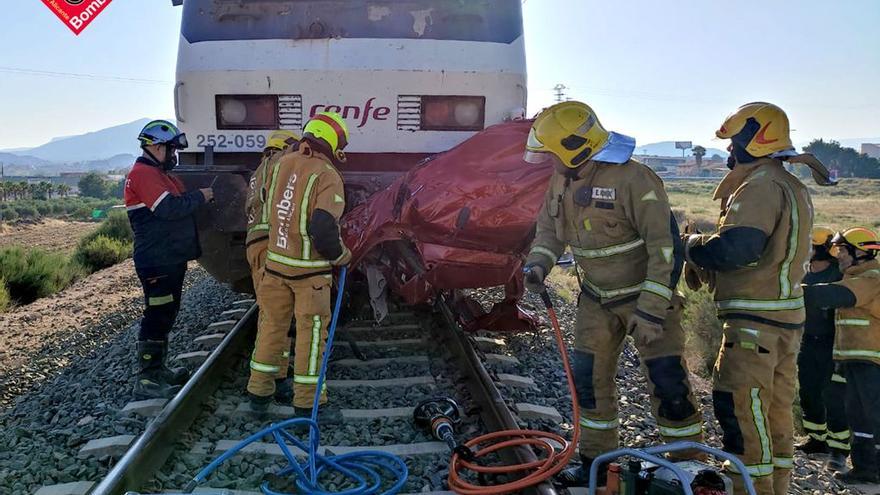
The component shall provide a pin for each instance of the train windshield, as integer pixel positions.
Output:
(497, 21)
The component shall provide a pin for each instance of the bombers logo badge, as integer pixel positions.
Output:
(76, 14)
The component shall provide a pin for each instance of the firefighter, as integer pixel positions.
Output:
(162, 216)
(856, 299)
(306, 201)
(757, 258)
(256, 208)
(257, 239)
(822, 388)
(614, 214)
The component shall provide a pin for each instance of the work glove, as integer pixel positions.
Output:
(695, 277)
(643, 331)
(533, 277)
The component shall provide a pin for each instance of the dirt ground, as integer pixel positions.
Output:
(25, 331)
(50, 234)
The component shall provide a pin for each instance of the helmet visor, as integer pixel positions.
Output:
(535, 151)
(179, 142)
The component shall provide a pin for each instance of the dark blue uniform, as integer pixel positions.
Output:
(162, 216)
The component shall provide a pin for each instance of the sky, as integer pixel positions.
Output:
(651, 69)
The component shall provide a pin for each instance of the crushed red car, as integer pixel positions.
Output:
(467, 215)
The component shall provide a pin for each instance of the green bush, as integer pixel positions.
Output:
(8, 214)
(101, 252)
(35, 273)
(44, 208)
(5, 300)
(27, 211)
(702, 329)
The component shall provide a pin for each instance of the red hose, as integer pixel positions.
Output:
(534, 472)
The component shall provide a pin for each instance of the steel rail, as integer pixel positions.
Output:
(150, 451)
(493, 408)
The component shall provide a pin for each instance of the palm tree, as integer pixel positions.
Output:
(699, 152)
(63, 190)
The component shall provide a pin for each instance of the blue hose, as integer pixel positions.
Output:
(364, 470)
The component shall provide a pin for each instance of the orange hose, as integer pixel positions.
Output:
(537, 471)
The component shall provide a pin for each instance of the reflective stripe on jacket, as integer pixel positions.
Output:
(858, 328)
(256, 207)
(763, 195)
(299, 185)
(617, 221)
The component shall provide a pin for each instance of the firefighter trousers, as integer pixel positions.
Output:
(753, 395)
(822, 391)
(256, 258)
(599, 336)
(280, 300)
(862, 406)
(163, 288)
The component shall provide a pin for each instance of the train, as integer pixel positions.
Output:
(412, 78)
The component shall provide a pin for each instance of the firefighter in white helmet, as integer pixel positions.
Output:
(614, 214)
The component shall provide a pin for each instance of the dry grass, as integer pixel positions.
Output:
(565, 283)
(854, 202)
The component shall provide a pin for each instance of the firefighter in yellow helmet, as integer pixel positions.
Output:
(758, 256)
(856, 300)
(256, 207)
(614, 215)
(822, 387)
(257, 239)
(306, 198)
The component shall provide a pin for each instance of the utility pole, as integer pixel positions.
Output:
(560, 92)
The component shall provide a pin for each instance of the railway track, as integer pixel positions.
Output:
(373, 387)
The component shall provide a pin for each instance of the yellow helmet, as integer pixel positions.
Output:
(765, 125)
(329, 129)
(280, 139)
(822, 236)
(571, 131)
(859, 238)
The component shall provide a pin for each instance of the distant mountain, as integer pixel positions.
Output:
(17, 165)
(667, 148)
(97, 145)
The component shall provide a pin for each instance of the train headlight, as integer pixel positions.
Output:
(453, 113)
(247, 111)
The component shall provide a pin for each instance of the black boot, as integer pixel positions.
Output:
(580, 476)
(837, 460)
(259, 404)
(864, 461)
(284, 391)
(858, 476)
(174, 376)
(151, 382)
(813, 446)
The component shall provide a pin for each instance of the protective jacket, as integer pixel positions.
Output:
(761, 247)
(306, 199)
(617, 221)
(858, 327)
(256, 207)
(857, 300)
(820, 321)
(162, 216)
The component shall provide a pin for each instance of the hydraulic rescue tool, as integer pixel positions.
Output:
(557, 451)
(440, 416)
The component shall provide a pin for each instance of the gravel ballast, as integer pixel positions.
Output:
(77, 382)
